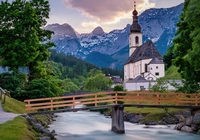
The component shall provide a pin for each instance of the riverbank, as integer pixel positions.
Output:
(40, 124)
(13, 115)
(87, 125)
(184, 120)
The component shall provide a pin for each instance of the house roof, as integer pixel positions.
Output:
(138, 79)
(156, 61)
(145, 51)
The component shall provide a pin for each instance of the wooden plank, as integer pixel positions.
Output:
(64, 105)
(38, 104)
(84, 99)
(62, 102)
(157, 98)
(104, 98)
(104, 101)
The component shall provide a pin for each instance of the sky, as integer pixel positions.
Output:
(85, 15)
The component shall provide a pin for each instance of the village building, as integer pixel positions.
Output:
(145, 64)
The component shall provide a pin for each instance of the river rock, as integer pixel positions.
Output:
(136, 118)
(170, 120)
(128, 117)
(38, 126)
(31, 120)
(179, 126)
(187, 113)
(150, 123)
(195, 127)
(196, 119)
(162, 123)
(186, 129)
(189, 121)
(180, 117)
(198, 132)
(45, 138)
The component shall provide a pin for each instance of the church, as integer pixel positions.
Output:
(145, 64)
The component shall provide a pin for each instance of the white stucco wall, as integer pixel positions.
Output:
(157, 68)
(133, 70)
(132, 42)
(139, 67)
(136, 86)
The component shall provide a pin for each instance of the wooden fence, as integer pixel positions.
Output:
(2, 95)
(98, 99)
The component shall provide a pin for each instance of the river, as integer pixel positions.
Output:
(85, 125)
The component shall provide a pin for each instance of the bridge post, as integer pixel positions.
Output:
(118, 119)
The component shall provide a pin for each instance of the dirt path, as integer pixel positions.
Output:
(5, 116)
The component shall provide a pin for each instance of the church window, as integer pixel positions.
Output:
(146, 67)
(136, 40)
(156, 67)
(157, 73)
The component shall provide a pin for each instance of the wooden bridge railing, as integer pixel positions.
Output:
(98, 99)
(2, 95)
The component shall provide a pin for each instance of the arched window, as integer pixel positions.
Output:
(136, 40)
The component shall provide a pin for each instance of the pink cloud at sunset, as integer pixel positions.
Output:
(107, 11)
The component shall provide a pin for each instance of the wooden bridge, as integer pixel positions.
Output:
(115, 101)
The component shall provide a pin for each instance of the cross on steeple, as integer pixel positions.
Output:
(134, 5)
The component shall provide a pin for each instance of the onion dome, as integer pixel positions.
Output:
(135, 27)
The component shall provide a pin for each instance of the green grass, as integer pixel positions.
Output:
(15, 106)
(16, 129)
(172, 73)
(154, 114)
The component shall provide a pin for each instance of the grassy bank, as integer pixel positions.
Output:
(172, 73)
(19, 129)
(154, 114)
(16, 129)
(14, 106)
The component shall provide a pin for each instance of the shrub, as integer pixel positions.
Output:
(42, 88)
(118, 88)
(160, 86)
(14, 83)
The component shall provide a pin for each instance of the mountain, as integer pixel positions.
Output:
(111, 49)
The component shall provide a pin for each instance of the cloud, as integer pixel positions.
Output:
(108, 11)
(90, 24)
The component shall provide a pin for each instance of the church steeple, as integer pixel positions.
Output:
(135, 27)
(135, 37)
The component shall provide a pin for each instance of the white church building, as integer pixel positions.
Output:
(145, 64)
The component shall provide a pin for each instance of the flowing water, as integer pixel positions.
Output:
(93, 126)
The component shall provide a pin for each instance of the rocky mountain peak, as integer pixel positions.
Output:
(158, 25)
(62, 30)
(98, 31)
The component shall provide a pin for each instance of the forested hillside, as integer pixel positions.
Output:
(72, 67)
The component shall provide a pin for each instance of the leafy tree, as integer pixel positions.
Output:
(168, 57)
(22, 22)
(42, 88)
(118, 88)
(160, 86)
(15, 83)
(186, 45)
(69, 86)
(98, 83)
